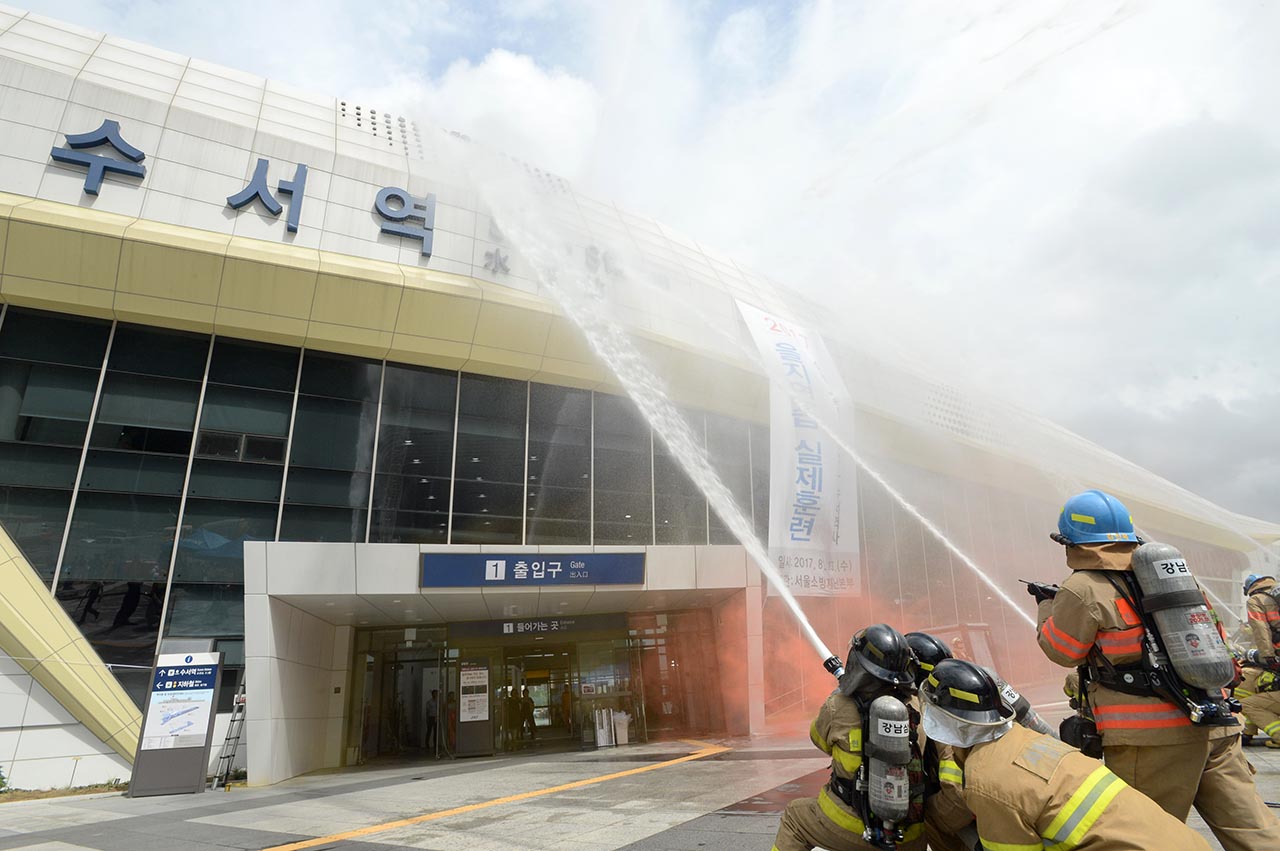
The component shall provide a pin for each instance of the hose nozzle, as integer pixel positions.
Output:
(834, 666)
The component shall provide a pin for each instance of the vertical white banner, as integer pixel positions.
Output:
(813, 496)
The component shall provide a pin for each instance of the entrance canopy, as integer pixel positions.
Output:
(304, 603)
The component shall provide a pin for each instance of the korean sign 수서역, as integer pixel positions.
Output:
(402, 214)
(813, 516)
(182, 698)
(478, 570)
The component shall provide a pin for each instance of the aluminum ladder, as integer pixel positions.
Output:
(235, 728)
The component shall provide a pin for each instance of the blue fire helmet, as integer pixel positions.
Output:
(1094, 517)
(1251, 579)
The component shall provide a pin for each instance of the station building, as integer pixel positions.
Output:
(266, 368)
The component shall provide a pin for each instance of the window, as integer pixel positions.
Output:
(122, 531)
(559, 497)
(49, 368)
(415, 456)
(729, 452)
(680, 509)
(488, 496)
(234, 492)
(327, 493)
(623, 473)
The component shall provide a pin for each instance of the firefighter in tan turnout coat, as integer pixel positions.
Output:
(1259, 690)
(1028, 791)
(879, 662)
(1148, 741)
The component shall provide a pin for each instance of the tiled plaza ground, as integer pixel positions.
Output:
(729, 800)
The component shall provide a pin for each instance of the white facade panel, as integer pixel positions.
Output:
(21, 177)
(204, 154)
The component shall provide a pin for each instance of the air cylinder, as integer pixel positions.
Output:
(1174, 601)
(888, 752)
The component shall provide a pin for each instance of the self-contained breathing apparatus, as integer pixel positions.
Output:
(1184, 659)
(890, 778)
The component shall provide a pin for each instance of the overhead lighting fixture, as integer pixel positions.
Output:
(416, 461)
(626, 517)
(423, 482)
(475, 459)
(481, 496)
(329, 604)
(408, 442)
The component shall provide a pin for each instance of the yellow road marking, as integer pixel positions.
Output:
(704, 750)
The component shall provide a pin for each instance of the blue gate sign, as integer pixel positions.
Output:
(480, 570)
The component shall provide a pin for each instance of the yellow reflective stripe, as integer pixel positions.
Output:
(1272, 728)
(1239, 692)
(963, 695)
(989, 845)
(950, 771)
(843, 818)
(1069, 827)
(850, 762)
(817, 739)
(1084, 518)
(855, 740)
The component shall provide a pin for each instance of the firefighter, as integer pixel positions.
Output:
(1148, 741)
(1259, 690)
(879, 663)
(1028, 791)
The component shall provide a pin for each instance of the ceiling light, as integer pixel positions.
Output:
(474, 460)
(328, 604)
(481, 496)
(395, 601)
(416, 461)
(626, 517)
(408, 442)
(422, 481)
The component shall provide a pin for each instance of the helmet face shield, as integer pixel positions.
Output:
(940, 726)
(961, 705)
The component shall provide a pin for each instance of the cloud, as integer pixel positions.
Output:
(508, 103)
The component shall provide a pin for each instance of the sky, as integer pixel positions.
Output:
(1075, 207)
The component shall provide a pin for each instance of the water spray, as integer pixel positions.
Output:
(616, 350)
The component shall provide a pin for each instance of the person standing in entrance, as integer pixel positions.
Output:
(526, 713)
(433, 718)
(566, 707)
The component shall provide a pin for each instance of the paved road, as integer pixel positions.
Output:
(672, 796)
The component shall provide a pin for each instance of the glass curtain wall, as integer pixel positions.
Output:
(623, 465)
(728, 448)
(327, 490)
(234, 492)
(49, 368)
(415, 456)
(534, 463)
(559, 465)
(680, 509)
(116, 566)
(488, 492)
